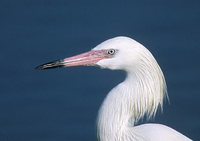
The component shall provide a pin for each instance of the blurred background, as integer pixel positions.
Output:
(62, 104)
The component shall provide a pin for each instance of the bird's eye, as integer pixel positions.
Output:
(111, 52)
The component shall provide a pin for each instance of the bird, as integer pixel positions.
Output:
(140, 95)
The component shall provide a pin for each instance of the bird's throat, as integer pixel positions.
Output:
(116, 113)
(139, 95)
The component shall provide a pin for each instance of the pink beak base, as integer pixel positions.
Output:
(89, 58)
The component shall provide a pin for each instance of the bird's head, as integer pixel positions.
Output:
(123, 53)
(120, 53)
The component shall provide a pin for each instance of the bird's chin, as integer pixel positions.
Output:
(104, 64)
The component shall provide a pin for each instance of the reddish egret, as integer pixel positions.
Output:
(142, 92)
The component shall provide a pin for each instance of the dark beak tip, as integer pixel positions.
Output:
(39, 67)
(50, 65)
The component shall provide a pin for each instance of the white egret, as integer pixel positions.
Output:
(139, 95)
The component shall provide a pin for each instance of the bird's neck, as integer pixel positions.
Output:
(128, 102)
(114, 115)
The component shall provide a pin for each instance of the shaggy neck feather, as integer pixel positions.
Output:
(140, 94)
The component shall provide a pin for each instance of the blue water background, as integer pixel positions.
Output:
(62, 104)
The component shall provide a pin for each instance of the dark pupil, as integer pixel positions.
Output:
(111, 51)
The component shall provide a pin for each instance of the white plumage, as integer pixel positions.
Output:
(142, 92)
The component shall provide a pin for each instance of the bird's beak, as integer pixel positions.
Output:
(89, 58)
